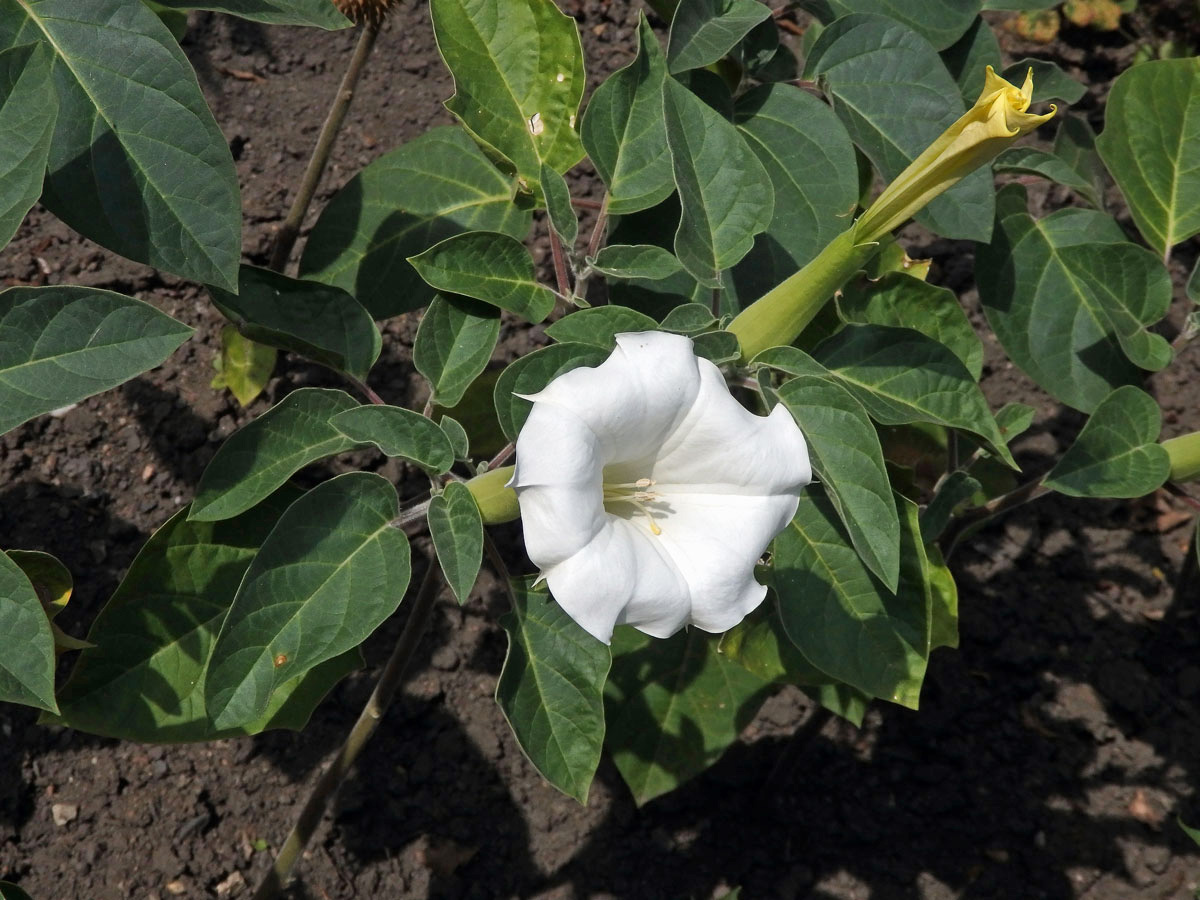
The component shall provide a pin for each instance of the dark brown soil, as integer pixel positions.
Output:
(1050, 756)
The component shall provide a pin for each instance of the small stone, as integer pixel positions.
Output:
(176, 887)
(233, 884)
(62, 813)
(148, 472)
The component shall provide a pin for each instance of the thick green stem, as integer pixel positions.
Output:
(368, 720)
(290, 230)
(497, 502)
(778, 317)
(1185, 456)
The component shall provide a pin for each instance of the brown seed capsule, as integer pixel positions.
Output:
(360, 11)
(280, 660)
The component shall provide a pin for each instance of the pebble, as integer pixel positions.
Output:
(62, 813)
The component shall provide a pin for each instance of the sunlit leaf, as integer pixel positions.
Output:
(27, 664)
(600, 325)
(534, 371)
(457, 531)
(244, 366)
(454, 343)
(703, 31)
(398, 432)
(28, 109)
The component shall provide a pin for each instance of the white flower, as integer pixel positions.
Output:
(648, 493)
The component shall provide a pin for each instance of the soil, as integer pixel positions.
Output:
(1050, 757)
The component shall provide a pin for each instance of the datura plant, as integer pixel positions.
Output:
(753, 431)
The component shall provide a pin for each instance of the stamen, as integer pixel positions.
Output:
(635, 495)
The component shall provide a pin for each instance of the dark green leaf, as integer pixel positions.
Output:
(1031, 161)
(957, 488)
(318, 321)
(1049, 81)
(640, 261)
(137, 162)
(967, 58)
(28, 109)
(624, 133)
(10, 891)
(1014, 419)
(431, 188)
(941, 22)
(321, 13)
(143, 678)
(1116, 454)
(27, 664)
(901, 301)
(457, 531)
(703, 31)
(1075, 144)
(558, 206)
(457, 436)
(531, 373)
(718, 347)
(59, 345)
(264, 454)
(518, 79)
(848, 460)
(599, 325)
(551, 690)
(725, 192)
(809, 158)
(843, 620)
(673, 707)
(1193, 833)
(398, 432)
(331, 570)
(1069, 299)
(488, 266)
(689, 318)
(1151, 145)
(869, 65)
(454, 342)
(759, 643)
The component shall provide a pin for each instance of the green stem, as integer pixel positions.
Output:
(290, 230)
(1184, 452)
(368, 720)
(778, 317)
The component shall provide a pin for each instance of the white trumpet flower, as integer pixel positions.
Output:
(648, 493)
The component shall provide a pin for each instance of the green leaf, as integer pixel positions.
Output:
(454, 343)
(10, 891)
(321, 13)
(718, 347)
(943, 631)
(1031, 161)
(759, 644)
(558, 206)
(518, 80)
(941, 22)
(848, 460)
(143, 678)
(843, 620)
(488, 266)
(1116, 454)
(1049, 81)
(398, 432)
(958, 488)
(431, 188)
(331, 570)
(689, 318)
(457, 531)
(870, 64)
(244, 366)
(265, 453)
(1075, 144)
(551, 690)
(1193, 833)
(901, 376)
(318, 321)
(673, 707)
(809, 158)
(1014, 420)
(724, 190)
(530, 373)
(1068, 299)
(967, 58)
(27, 666)
(59, 345)
(704, 31)
(457, 436)
(1151, 145)
(624, 133)
(28, 109)
(636, 261)
(137, 162)
(600, 325)
(901, 301)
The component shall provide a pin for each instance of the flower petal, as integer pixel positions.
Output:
(633, 399)
(721, 447)
(715, 542)
(557, 478)
(621, 577)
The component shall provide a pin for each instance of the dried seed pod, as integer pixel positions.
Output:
(372, 11)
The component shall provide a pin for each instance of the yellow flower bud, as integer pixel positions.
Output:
(997, 119)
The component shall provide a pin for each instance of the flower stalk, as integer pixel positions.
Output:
(1184, 452)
